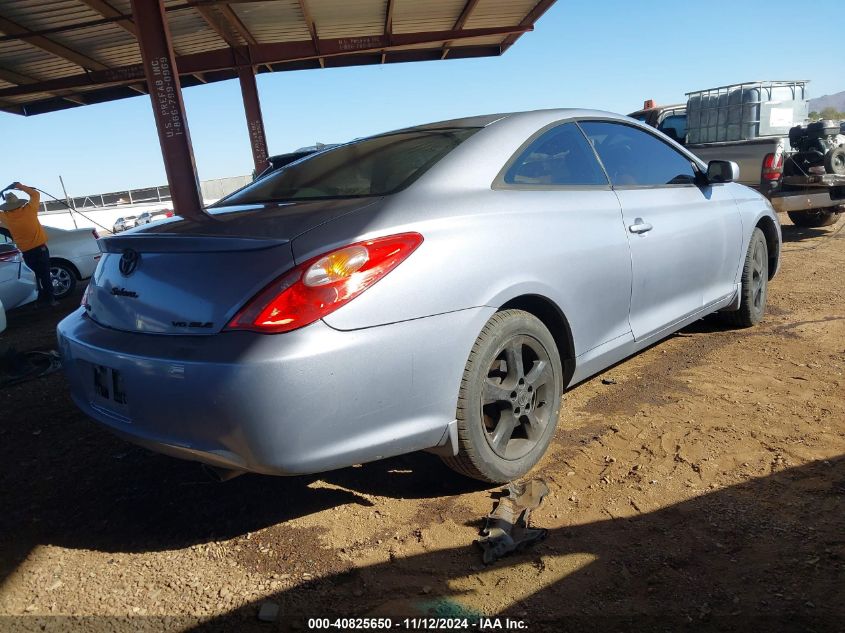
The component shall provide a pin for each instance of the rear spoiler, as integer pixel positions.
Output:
(169, 243)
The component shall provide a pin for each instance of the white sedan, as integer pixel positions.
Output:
(73, 256)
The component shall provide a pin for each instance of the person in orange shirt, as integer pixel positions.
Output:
(21, 218)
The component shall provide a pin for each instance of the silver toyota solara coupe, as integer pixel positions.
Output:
(435, 288)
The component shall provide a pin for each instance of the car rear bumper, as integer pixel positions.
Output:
(86, 264)
(307, 401)
(808, 201)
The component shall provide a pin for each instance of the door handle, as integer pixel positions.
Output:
(639, 226)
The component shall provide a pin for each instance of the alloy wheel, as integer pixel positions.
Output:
(61, 281)
(516, 399)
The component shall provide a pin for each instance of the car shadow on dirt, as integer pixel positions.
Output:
(768, 554)
(70, 483)
(793, 233)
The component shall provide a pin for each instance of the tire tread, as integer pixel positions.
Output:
(744, 317)
(468, 462)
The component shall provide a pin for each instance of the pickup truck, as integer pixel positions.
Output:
(763, 138)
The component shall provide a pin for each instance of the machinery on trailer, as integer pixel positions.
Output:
(762, 126)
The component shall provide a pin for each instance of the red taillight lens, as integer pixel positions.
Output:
(323, 284)
(95, 234)
(11, 256)
(773, 166)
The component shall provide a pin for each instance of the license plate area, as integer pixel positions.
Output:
(109, 389)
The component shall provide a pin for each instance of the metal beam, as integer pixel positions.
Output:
(459, 23)
(229, 58)
(388, 26)
(312, 29)
(535, 14)
(107, 11)
(64, 52)
(22, 80)
(166, 95)
(254, 119)
(218, 26)
(59, 50)
(236, 23)
(123, 21)
(15, 78)
(75, 26)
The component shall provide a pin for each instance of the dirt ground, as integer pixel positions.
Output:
(697, 486)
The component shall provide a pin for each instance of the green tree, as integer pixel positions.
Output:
(830, 113)
(814, 116)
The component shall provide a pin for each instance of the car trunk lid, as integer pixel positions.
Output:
(183, 277)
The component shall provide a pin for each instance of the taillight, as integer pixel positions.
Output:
(95, 234)
(323, 284)
(773, 166)
(13, 255)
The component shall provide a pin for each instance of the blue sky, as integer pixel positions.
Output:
(607, 54)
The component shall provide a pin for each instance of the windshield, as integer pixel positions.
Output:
(374, 166)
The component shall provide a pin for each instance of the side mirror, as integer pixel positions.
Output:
(722, 171)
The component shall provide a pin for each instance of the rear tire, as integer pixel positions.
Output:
(755, 284)
(63, 278)
(509, 399)
(813, 219)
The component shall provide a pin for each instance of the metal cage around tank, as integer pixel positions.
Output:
(738, 112)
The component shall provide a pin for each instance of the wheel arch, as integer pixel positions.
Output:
(68, 264)
(555, 320)
(772, 235)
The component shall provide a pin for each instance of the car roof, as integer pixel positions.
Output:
(484, 120)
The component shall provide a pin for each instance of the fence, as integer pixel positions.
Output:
(211, 190)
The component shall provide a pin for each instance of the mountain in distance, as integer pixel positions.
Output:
(836, 101)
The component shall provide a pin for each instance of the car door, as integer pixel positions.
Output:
(685, 236)
(560, 188)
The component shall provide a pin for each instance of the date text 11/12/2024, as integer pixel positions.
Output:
(418, 624)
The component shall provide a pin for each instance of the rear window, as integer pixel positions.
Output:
(374, 166)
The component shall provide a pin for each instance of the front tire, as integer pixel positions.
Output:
(813, 219)
(509, 399)
(755, 284)
(63, 278)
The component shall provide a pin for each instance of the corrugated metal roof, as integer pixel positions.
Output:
(56, 54)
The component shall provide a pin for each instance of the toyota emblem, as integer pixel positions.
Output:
(129, 262)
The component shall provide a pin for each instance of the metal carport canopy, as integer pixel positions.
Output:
(58, 54)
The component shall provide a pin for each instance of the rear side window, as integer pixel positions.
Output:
(560, 156)
(634, 157)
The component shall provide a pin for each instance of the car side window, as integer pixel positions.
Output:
(675, 127)
(633, 157)
(560, 156)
